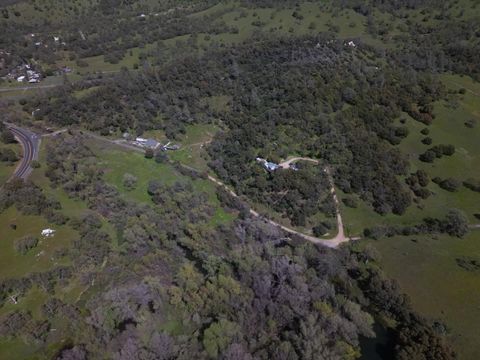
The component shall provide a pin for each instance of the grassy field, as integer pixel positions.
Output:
(426, 266)
(448, 128)
(192, 151)
(41, 258)
(426, 269)
(116, 162)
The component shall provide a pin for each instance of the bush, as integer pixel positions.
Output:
(456, 223)
(423, 178)
(450, 184)
(23, 245)
(350, 202)
(129, 181)
(472, 184)
(7, 137)
(149, 153)
(470, 123)
(8, 155)
(422, 193)
(402, 131)
(319, 230)
(427, 140)
(428, 156)
(161, 157)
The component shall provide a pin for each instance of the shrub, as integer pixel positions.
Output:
(319, 230)
(450, 184)
(129, 181)
(427, 140)
(23, 245)
(149, 153)
(350, 202)
(472, 184)
(35, 164)
(428, 156)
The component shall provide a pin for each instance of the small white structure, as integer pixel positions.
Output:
(270, 166)
(140, 140)
(351, 43)
(21, 78)
(143, 15)
(56, 38)
(48, 232)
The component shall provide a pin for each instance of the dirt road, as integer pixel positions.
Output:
(333, 242)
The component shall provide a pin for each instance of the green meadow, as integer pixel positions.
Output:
(116, 162)
(427, 267)
(42, 257)
(448, 127)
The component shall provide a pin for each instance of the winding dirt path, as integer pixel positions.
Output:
(286, 163)
(333, 242)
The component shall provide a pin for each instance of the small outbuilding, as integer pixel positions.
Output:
(48, 232)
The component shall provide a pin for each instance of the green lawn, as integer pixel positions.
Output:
(116, 162)
(41, 258)
(193, 143)
(448, 128)
(427, 271)
(425, 266)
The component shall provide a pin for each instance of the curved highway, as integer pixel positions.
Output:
(30, 143)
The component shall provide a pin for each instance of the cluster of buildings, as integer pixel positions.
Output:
(271, 166)
(153, 144)
(24, 73)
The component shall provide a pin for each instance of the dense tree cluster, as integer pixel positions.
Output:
(347, 120)
(240, 290)
(106, 28)
(455, 223)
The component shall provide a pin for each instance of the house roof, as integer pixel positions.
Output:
(151, 143)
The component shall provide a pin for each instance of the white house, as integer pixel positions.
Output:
(48, 232)
(270, 166)
(21, 78)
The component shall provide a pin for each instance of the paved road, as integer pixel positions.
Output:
(30, 143)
